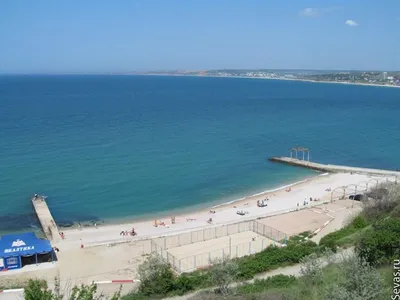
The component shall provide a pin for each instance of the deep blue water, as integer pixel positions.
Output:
(110, 147)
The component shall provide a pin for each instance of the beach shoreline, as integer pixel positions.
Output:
(193, 209)
(271, 78)
(105, 253)
(320, 188)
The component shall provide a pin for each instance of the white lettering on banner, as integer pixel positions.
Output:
(19, 249)
(18, 243)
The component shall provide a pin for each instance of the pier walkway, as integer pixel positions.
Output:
(332, 168)
(49, 226)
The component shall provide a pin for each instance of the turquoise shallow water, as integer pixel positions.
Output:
(117, 147)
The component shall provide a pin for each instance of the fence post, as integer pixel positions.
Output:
(223, 253)
(264, 229)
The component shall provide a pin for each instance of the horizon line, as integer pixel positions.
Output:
(184, 70)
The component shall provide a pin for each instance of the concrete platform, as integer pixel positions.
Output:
(49, 226)
(332, 168)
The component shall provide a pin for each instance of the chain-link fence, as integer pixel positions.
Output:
(193, 262)
(205, 259)
(203, 235)
(269, 232)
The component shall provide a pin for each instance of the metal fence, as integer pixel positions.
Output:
(343, 192)
(269, 232)
(186, 238)
(205, 259)
(193, 262)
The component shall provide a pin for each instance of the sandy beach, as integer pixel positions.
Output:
(107, 255)
(279, 201)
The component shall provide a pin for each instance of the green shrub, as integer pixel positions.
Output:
(156, 277)
(359, 222)
(355, 279)
(261, 285)
(38, 290)
(191, 281)
(396, 212)
(274, 257)
(184, 284)
(382, 243)
(330, 240)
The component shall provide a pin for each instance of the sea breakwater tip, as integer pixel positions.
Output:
(332, 168)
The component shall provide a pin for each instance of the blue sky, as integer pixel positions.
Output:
(92, 36)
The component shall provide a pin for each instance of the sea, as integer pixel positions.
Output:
(113, 148)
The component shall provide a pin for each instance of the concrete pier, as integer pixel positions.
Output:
(332, 168)
(49, 226)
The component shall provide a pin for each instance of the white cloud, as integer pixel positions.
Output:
(315, 12)
(309, 12)
(351, 23)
